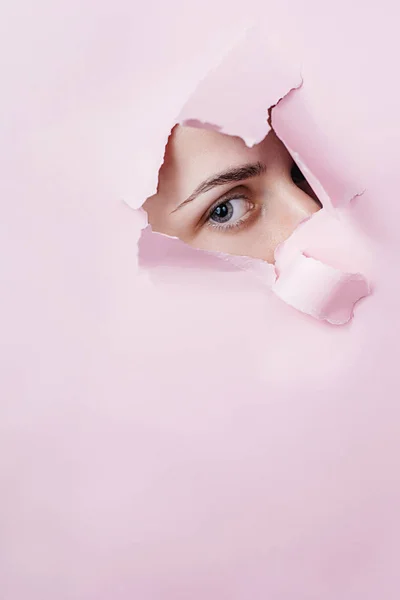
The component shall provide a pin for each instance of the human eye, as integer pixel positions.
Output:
(229, 213)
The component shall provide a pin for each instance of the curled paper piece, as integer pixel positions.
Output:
(319, 290)
(326, 289)
(310, 285)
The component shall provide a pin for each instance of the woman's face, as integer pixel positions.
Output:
(215, 193)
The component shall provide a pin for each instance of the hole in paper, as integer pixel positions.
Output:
(217, 194)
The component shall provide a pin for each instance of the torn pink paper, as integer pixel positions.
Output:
(319, 290)
(310, 147)
(321, 268)
(199, 440)
(305, 283)
(157, 251)
(310, 286)
(241, 109)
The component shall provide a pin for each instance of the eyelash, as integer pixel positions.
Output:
(226, 227)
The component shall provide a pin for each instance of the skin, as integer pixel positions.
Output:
(249, 216)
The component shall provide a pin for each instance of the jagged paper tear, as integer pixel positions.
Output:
(303, 281)
(319, 290)
(220, 102)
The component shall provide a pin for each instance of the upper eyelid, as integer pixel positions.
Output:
(242, 173)
(235, 192)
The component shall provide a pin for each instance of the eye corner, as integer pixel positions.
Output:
(296, 174)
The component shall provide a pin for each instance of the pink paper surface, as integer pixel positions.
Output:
(171, 429)
(262, 73)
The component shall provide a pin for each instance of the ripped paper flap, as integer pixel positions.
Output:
(319, 290)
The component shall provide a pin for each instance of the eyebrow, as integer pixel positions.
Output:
(233, 175)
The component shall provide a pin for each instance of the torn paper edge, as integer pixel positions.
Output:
(317, 289)
(247, 263)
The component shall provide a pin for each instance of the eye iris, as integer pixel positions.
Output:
(222, 212)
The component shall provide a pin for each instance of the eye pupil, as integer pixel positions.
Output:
(222, 212)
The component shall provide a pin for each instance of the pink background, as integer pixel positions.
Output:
(178, 432)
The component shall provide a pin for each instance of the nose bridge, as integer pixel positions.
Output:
(292, 204)
(284, 208)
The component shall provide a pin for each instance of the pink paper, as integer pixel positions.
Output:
(238, 105)
(169, 427)
(320, 290)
